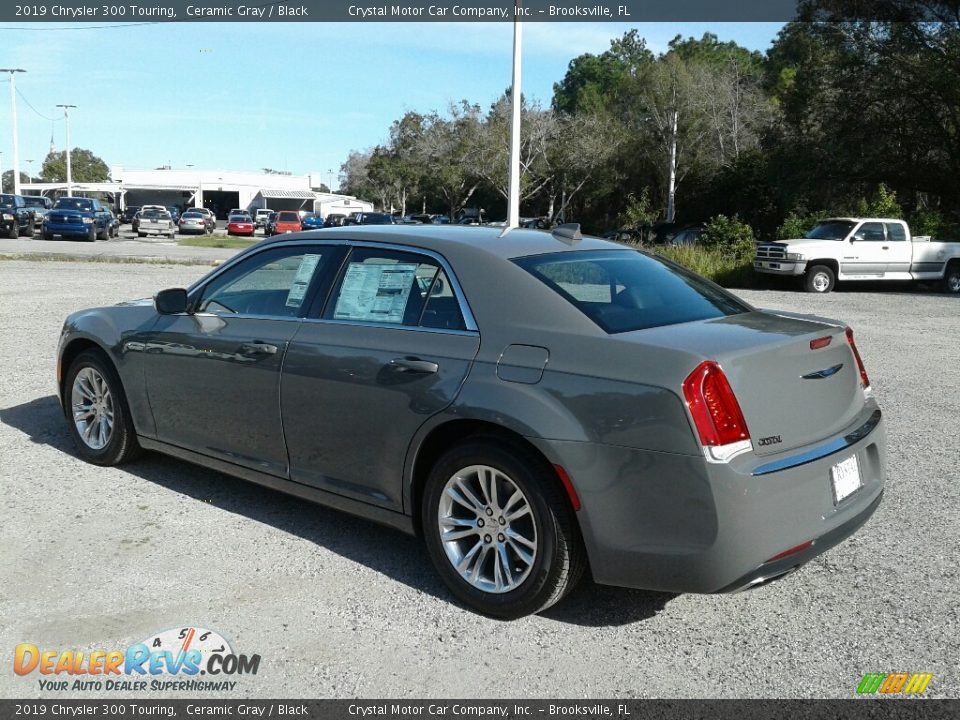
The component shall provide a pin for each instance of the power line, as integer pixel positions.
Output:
(23, 97)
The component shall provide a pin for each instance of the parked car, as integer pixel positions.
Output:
(174, 212)
(209, 216)
(260, 217)
(113, 224)
(128, 212)
(16, 218)
(312, 221)
(688, 236)
(371, 218)
(78, 217)
(334, 220)
(193, 223)
(270, 228)
(287, 221)
(135, 221)
(440, 219)
(41, 205)
(533, 405)
(840, 249)
(628, 236)
(240, 224)
(156, 222)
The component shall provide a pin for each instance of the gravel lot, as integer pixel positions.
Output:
(339, 607)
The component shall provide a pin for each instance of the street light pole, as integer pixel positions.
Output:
(516, 102)
(66, 122)
(13, 114)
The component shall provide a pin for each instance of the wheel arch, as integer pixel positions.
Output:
(831, 263)
(456, 431)
(70, 352)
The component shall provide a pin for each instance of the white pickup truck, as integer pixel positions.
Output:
(861, 249)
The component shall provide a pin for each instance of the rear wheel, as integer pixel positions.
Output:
(820, 279)
(97, 411)
(951, 278)
(500, 530)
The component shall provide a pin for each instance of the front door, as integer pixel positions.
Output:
(213, 375)
(868, 253)
(391, 348)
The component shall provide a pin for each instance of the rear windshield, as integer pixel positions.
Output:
(239, 218)
(624, 290)
(288, 217)
(192, 216)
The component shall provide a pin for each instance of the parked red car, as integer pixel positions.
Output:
(240, 225)
(287, 221)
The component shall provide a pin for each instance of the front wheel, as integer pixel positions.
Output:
(951, 278)
(97, 411)
(14, 231)
(820, 279)
(500, 530)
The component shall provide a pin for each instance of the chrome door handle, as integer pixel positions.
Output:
(885, 247)
(258, 348)
(414, 365)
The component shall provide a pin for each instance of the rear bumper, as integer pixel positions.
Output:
(675, 523)
(778, 267)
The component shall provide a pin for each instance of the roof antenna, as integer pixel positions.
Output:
(568, 233)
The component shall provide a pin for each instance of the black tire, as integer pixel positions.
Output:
(819, 279)
(560, 557)
(47, 236)
(141, 234)
(14, 231)
(92, 235)
(122, 445)
(951, 278)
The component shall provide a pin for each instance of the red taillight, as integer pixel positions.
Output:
(820, 342)
(864, 380)
(713, 406)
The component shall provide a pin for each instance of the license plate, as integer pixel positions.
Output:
(846, 478)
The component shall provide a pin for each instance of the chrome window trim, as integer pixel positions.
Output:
(469, 320)
(822, 451)
(389, 326)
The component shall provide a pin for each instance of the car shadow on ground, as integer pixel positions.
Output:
(395, 554)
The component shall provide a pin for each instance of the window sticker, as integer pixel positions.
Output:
(375, 293)
(302, 280)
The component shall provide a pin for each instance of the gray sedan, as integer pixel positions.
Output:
(535, 405)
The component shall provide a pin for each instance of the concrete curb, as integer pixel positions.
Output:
(111, 258)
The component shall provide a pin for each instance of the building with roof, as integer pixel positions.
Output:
(218, 190)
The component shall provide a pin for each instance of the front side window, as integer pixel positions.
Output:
(272, 283)
(395, 288)
(624, 290)
(872, 232)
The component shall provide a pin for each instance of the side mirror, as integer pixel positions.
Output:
(857, 238)
(171, 302)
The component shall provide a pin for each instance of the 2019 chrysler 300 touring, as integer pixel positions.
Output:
(533, 404)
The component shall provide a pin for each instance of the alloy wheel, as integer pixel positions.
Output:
(487, 529)
(93, 411)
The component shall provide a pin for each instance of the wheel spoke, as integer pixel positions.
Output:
(493, 558)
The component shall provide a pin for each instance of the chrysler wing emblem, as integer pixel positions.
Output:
(821, 374)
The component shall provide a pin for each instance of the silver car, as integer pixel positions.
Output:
(536, 406)
(155, 222)
(194, 223)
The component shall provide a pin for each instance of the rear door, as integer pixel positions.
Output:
(390, 347)
(899, 250)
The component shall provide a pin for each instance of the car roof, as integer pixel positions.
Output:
(456, 240)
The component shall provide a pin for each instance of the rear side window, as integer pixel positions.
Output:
(624, 290)
(395, 288)
(896, 232)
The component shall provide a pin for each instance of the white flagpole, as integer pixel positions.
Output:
(513, 202)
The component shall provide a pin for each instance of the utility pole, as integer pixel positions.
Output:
(66, 122)
(1, 171)
(516, 102)
(13, 114)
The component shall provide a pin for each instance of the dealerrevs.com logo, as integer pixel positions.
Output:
(189, 658)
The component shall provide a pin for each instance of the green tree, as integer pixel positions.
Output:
(85, 167)
(8, 180)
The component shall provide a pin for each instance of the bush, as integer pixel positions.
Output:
(729, 235)
(883, 204)
(796, 225)
(928, 221)
(639, 212)
(717, 264)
